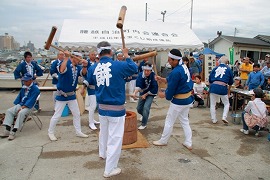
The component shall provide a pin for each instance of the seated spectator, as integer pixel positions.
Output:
(256, 108)
(255, 78)
(199, 89)
(240, 99)
(23, 104)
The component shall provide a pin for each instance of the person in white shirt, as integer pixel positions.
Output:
(258, 108)
(199, 89)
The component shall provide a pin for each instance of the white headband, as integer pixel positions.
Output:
(174, 56)
(147, 67)
(102, 48)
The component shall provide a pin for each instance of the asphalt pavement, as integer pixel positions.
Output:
(219, 151)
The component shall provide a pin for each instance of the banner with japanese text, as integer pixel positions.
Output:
(231, 49)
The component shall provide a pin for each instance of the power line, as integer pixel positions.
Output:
(178, 9)
(174, 12)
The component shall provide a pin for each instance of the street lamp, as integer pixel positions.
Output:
(163, 14)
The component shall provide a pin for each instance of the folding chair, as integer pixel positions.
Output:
(33, 114)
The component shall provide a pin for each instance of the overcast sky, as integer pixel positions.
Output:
(32, 19)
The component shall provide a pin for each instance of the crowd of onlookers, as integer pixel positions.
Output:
(245, 74)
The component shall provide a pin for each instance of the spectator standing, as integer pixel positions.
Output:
(194, 66)
(245, 69)
(255, 78)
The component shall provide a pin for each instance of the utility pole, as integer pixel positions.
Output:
(235, 30)
(191, 13)
(163, 14)
(145, 11)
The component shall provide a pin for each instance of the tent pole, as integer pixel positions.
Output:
(191, 13)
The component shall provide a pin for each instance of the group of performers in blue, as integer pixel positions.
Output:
(105, 83)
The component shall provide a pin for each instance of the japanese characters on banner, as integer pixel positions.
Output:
(155, 35)
(209, 64)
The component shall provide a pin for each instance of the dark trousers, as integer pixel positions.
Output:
(198, 99)
(143, 108)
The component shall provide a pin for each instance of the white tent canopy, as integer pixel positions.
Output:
(138, 35)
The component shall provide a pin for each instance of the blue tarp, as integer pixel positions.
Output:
(208, 51)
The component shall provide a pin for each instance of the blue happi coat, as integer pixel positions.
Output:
(109, 78)
(221, 73)
(54, 71)
(179, 82)
(147, 84)
(68, 80)
(90, 88)
(22, 69)
(27, 96)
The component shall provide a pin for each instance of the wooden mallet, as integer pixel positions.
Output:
(146, 55)
(49, 43)
(120, 23)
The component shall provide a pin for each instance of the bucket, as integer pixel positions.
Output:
(130, 130)
(236, 118)
(65, 111)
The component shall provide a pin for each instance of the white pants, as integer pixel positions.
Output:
(91, 107)
(59, 107)
(12, 112)
(213, 100)
(110, 140)
(180, 112)
(131, 87)
(54, 94)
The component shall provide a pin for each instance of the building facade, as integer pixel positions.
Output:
(8, 43)
(255, 48)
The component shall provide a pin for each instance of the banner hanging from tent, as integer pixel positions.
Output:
(138, 35)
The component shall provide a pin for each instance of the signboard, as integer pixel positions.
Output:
(231, 49)
(144, 34)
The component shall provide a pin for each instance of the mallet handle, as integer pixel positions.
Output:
(123, 38)
(146, 55)
(59, 49)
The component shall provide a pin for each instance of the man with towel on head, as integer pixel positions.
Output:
(69, 70)
(109, 78)
(148, 88)
(178, 92)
